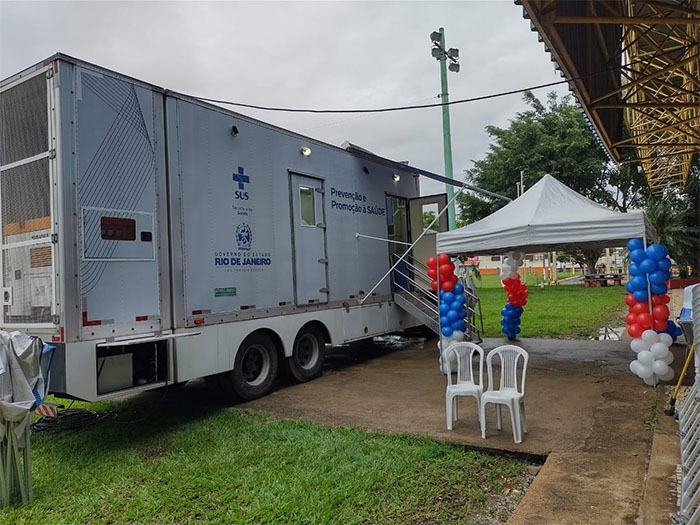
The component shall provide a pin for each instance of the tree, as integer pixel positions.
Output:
(550, 138)
(676, 217)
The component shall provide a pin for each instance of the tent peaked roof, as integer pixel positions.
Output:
(548, 216)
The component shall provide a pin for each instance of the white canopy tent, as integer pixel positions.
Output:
(549, 216)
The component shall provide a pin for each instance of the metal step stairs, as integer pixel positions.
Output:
(412, 292)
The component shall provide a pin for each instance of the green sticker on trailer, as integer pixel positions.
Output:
(224, 292)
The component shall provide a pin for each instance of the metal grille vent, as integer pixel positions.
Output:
(23, 122)
(26, 206)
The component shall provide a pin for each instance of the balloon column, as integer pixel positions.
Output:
(452, 298)
(647, 318)
(517, 294)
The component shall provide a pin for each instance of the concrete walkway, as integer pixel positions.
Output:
(585, 411)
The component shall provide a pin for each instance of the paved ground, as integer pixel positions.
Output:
(584, 409)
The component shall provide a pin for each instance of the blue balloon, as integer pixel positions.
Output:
(664, 264)
(638, 255)
(658, 277)
(441, 294)
(509, 306)
(463, 327)
(511, 336)
(639, 283)
(456, 325)
(504, 322)
(461, 298)
(448, 297)
(629, 287)
(458, 289)
(445, 321)
(641, 295)
(669, 324)
(513, 314)
(452, 315)
(635, 269)
(517, 330)
(635, 244)
(462, 313)
(520, 310)
(647, 266)
(447, 331)
(658, 289)
(656, 251)
(456, 306)
(504, 312)
(444, 308)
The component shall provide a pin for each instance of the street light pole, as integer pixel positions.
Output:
(442, 55)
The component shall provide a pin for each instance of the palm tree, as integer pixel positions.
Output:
(673, 223)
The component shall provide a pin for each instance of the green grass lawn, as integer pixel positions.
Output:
(554, 311)
(187, 464)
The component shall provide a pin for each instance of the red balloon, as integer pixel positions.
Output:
(666, 298)
(447, 269)
(660, 312)
(645, 320)
(630, 318)
(635, 330)
(447, 286)
(656, 300)
(640, 308)
(432, 273)
(443, 258)
(431, 262)
(433, 285)
(455, 279)
(659, 326)
(630, 300)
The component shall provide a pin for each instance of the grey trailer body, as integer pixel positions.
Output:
(151, 236)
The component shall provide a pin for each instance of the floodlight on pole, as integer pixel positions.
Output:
(440, 53)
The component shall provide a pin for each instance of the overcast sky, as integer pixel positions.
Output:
(315, 55)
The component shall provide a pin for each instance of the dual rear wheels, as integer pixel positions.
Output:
(258, 361)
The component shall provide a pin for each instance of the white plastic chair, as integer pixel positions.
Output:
(467, 383)
(507, 393)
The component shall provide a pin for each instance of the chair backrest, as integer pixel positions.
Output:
(510, 356)
(465, 362)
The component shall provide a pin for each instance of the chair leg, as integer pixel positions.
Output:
(448, 411)
(522, 416)
(482, 419)
(499, 417)
(515, 419)
(455, 411)
(478, 407)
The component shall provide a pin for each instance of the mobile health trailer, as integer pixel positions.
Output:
(154, 238)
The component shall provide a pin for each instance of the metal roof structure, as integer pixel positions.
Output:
(634, 66)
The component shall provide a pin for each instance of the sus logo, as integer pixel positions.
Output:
(244, 236)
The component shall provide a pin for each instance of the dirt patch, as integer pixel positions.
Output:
(153, 451)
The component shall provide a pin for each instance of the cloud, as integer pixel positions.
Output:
(298, 54)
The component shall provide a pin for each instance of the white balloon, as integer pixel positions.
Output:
(668, 376)
(650, 337)
(511, 262)
(666, 339)
(645, 372)
(518, 255)
(638, 344)
(646, 358)
(659, 368)
(668, 359)
(651, 381)
(659, 350)
(634, 366)
(457, 336)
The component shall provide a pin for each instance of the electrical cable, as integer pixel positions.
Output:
(439, 104)
(69, 419)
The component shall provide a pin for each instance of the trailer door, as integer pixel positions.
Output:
(27, 164)
(308, 240)
(421, 212)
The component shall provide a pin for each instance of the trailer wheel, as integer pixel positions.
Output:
(255, 368)
(308, 353)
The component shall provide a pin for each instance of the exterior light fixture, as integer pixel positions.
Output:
(305, 150)
(435, 37)
(436, 52)
(453, 53)
(396, 177)
(234, 130)
(454, 67)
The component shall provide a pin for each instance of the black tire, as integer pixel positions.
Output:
(254, 370)
(308, 354)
